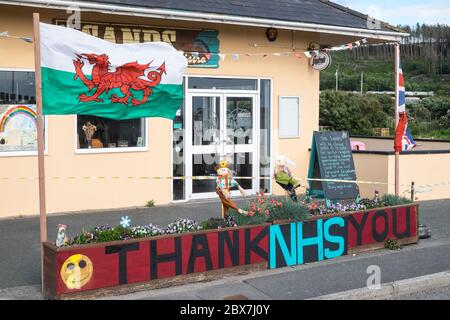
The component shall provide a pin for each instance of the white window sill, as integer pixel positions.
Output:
(21, 153)
(111, 150)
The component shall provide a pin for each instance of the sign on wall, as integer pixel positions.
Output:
(18, 128)
(200, 46)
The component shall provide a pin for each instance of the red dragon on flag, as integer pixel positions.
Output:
(127, 76)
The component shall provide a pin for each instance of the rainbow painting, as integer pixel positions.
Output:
(19, 109)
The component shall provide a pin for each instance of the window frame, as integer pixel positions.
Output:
(26, 153)
(145, 148)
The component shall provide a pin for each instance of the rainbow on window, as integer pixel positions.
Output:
(20, 109)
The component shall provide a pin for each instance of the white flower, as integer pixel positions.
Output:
(125, 222)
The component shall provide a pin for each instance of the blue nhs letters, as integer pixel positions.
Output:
(302, 242)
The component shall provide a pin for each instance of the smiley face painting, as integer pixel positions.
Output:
(77, 271)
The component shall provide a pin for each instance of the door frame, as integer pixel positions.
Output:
(223, 95)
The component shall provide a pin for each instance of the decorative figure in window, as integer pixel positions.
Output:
(224, 183)
(89, 130)
(283, 176)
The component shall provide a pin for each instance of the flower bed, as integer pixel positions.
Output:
(124, 258)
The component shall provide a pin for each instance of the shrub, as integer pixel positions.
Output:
(218, 223)
(150, 203)
(392, 244)
(393, 200)
(295, 211)
(106, 234)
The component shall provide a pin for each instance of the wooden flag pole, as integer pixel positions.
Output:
(397, 154)
(40, 138)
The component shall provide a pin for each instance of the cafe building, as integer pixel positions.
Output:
(250, 94)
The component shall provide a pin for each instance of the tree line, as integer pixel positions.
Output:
(429, 43)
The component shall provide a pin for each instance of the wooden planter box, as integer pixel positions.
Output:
(329, 236)
(126, 266)
(119, 267)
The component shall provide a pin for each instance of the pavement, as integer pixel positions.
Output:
(20, 266)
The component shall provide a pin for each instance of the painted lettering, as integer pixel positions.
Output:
(122, 250)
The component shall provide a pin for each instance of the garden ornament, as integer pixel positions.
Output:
(224, 183)
(61, 237)
(283, 176)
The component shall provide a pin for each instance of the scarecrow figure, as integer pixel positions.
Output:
(224, 183)
(283, 176)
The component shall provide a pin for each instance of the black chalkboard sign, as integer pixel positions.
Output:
(331, 158)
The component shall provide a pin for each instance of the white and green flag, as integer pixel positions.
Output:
(82, 74)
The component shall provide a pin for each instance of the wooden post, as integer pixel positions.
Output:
(397, 154)
(40, 138)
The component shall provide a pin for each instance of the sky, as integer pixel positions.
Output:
(404, 12)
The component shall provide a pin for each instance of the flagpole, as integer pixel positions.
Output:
(40, 139)
(397, 154)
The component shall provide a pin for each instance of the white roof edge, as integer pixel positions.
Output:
(209, 17)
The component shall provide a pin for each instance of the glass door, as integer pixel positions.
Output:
(220, 126)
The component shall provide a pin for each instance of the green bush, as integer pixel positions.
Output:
(113, 234)
(393, 200)
(354, 113)
(150, 203)
(290, 210)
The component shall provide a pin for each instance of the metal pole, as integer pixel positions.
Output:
(40, 139)
(362, 82)
(337, 78)
(397, 154)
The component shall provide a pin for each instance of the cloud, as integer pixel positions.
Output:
(403, 11)
(423, 13)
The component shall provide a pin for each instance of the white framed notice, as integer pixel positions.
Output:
(289, 117)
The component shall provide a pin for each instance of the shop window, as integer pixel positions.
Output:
(96, 133)
(18, 120)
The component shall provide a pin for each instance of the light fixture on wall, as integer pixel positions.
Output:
(271, 34)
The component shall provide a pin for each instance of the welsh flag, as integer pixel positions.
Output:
(82, 74)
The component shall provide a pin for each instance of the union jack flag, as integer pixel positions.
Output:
(401, 91)
(403, 138)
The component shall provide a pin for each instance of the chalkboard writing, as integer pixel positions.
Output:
(335, 161)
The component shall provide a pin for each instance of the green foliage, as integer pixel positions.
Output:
(393, 200)
(266, 209)
(150, 203)
(392, 244)
(428, 118)
(217, 223)
(113, 234)
(290, 210)
(243, 220)
(352, 112)
(83, 238)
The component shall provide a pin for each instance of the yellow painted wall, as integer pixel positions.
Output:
(372, 168)
(291, 76)
(430, 173)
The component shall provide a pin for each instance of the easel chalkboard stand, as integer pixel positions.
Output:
(317, 188)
